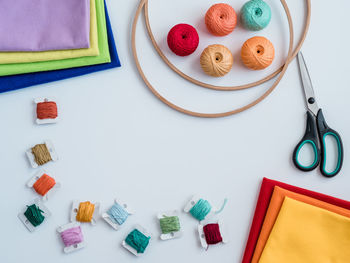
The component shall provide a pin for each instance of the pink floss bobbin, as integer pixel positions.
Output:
(72, 237)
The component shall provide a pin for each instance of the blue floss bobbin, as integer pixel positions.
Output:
(201, 209)
(255, 15)
(117, 214)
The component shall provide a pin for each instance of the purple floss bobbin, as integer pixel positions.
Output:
(72, 236)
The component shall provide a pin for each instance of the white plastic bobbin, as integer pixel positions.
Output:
(75, 209)
(110, 221)
(45, 121)
(194, 200)
(171, 235)
(133, 250)
(46, 213)
(73, 247)
(51, 150)
(223, 231)
(36, 177)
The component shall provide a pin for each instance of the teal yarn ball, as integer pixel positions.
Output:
(255, 15)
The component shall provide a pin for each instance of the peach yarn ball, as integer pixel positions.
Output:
(257, 53)
(221, 19)
(216, 60)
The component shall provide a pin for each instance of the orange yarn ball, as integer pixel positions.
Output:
(216, 60)
(257, 53)
(221, 19)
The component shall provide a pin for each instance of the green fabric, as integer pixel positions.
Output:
(104, 57)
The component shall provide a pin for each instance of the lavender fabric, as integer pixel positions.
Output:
(41, 25)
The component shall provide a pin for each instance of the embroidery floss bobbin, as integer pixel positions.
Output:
(41, 154)
(46, 111)
(201, 209)
(85, 212)
(116, 215)
(34, 215)
(43, 184)
(212, 234)
(220, 19)
(137, 241)
(170, 225)
(72, 237)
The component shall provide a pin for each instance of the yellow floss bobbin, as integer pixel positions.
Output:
(85, 212)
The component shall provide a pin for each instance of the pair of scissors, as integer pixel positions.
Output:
(316, 130)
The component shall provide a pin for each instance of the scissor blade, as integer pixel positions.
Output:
(307, 85)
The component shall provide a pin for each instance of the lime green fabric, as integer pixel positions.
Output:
(103, 57)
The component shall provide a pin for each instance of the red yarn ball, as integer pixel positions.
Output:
(183, 39)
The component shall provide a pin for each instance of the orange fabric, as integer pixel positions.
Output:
(276, 202)
(44, 184)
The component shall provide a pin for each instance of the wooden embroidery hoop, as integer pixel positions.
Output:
(281, 71)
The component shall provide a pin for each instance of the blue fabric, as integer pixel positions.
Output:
(9, 83)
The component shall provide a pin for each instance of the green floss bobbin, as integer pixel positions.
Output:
(201, 209)
(169, 224)
(255, 15)
(34, 215)
(137, 240)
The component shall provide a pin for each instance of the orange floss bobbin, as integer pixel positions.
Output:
(85, 212)
(43, 184)
(46, 111)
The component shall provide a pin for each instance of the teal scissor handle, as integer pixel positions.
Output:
(323, 131)
(310, 137)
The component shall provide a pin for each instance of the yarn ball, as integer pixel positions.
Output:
(257, 53)
(255, 15)
(183, 39)
(221, 19)
(216, 60)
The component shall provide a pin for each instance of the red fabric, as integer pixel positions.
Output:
(266, 191)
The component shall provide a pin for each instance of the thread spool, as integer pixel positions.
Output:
(34, 215)
(255, 15)
(137, 241)
(117, 214)
(183, 39)
(220, 19)
(216, 60)
(43, 184)
(212, 234)
(85, 212)
(41, 154)
(72, 237)
(170, 226)
(257, 53)
(46, 111)
(201, 209)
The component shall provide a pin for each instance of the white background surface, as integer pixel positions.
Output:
(115, 139)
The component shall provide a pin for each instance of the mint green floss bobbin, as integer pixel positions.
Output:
(255, 15)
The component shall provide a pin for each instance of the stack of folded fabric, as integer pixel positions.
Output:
(296, 225)
(43, 41)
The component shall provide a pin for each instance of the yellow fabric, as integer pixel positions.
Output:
(307, 234)
(26, 57)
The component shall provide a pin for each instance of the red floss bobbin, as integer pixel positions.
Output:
(46, 111)
(212, 234)
(183, 39)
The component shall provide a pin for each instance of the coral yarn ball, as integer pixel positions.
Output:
(255, 15)
(221, 19)
(257, 53)
(216, 60)
(183, 39)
